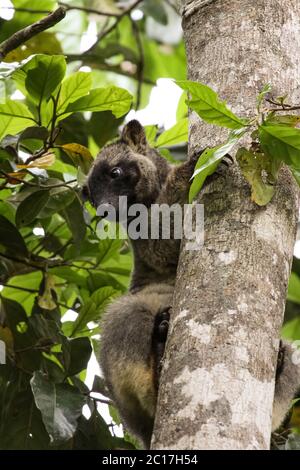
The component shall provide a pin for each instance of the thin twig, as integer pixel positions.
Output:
(282, 106)
(38, 262)
(290, 108)
(101, 400)
(31, 291)
(27, 33)
(37, 185)
(113, 26)
(141, 62)
(68, 7)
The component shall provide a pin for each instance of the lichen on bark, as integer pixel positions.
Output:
(218, 378)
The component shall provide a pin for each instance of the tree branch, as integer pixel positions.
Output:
(141, 63)
(37, 185)
(32, 30)
(112, 27)
(87, 10)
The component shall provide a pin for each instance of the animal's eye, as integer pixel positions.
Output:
(116, 172)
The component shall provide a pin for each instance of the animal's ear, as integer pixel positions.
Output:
(133, 134)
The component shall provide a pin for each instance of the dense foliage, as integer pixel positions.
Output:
(51, 259)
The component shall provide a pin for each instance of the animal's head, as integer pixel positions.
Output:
(126, 168)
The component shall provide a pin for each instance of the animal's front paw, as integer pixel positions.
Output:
(280, 359)
(161, 324)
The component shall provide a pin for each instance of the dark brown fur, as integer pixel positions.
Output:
(131, 350)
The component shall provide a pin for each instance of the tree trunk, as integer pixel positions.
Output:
(217, 384)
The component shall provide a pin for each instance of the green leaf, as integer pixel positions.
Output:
(29, 281)
(102, 279)
(182, 109)
(108, 248)
(93, 308)
(150, 132)
(207, 165)
(111, 98)
(103, 127)
(282, 143)
(75, 220)
(30, 207)
(60, 405)
(22, 426)
(79, 351)
(114, 415)
(294, 288)
(41, 76)
(11, 238)
(70, 275)
(35, 132)
(207, 104)
(260, 172)
(80, 156)
(176, 135)
(14, 117)
(75, 86)
(59, 199)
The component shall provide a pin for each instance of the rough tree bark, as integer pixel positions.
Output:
(218, 377)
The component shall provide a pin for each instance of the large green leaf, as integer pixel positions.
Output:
(30, 281)
(11, 238)
(112, 98)
(207, 104)
(40, 76)
(281, 142)
(73, 214)
(207, 165)
(77, 352)
(103, 126)
(176, 135)
(75, 86)
(60, 405)
(21, 425)
(70, 275)
(108, 248)
(30, 207)
(14, 117)
(93, 308)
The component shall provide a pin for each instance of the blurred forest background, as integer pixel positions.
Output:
(64, 95)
